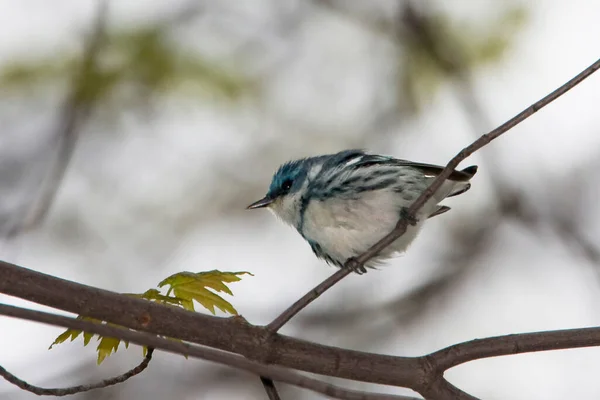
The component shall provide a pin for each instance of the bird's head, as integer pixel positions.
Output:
(286, 189)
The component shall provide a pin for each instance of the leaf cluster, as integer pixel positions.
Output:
(182, 289)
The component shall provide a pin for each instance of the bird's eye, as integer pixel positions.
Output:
(287, 185)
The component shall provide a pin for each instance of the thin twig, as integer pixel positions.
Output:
(221, 357)
(401, 226)
(467, 151)
(270, 388)
(441, 389)
(308, 298)
(80, 388)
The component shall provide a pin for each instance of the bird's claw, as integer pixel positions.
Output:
(410, 219)
(355, 266)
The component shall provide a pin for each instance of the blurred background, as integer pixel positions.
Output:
(134, 133)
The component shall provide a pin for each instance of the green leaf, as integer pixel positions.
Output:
(185, 286)
(87, 337)
(106, 347)
(74, 334)
(69, 333)
(189, 286)
(156, 296)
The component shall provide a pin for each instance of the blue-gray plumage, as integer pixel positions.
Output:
(344, 203)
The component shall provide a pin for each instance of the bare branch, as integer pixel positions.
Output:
(221, 357)
(444, 390)
(515, 344)
(270, 388)
(423, 374)
(308, 298)
(401, 226)
(80, 388)
(229, 334)
(467, 151)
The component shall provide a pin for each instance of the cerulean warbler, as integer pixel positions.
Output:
(344, 203)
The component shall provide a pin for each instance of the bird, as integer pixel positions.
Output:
(343, 203)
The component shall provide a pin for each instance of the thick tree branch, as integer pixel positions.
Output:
(140, 338)
(422, 374)
(229, 334)
(76, 389)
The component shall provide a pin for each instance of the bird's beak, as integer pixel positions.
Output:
(264, 202)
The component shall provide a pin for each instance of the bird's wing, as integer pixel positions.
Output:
(365, 160)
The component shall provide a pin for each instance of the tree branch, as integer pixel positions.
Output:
(229, 334)
(467, 151)
(308, 298)
(270, 388)
(432, 366)
(75, 389)
(402, 224)
(145, 339)
(515, 344)
(422, 374)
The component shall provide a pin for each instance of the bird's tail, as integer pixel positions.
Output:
(471, 171)
(461, 187)
(439, 210)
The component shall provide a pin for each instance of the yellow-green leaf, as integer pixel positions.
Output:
(69, 333)
(74, 333)
(106, 347)
(184, 289)
(189, 286)
(156, 296)
(87, 337)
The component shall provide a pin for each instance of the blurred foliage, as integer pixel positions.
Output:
(435, 48)
(185, 286)
(140, 61)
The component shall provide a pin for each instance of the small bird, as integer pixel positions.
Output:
(344, 203)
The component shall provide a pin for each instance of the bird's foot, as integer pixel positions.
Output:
(355, 266)
(410, 219)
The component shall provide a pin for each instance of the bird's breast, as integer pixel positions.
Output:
(347, 227)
